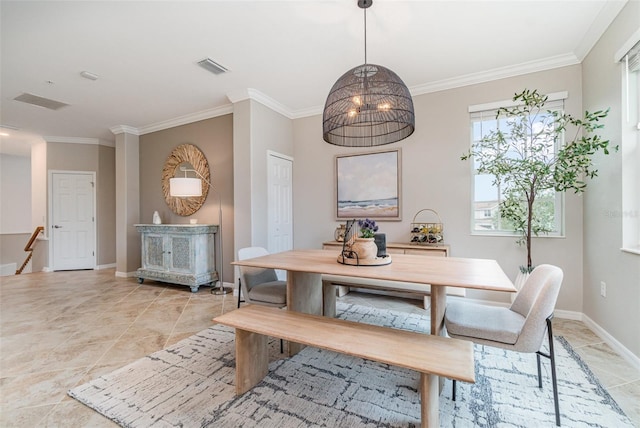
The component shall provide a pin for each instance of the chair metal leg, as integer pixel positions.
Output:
(539, 372)
(281, 346)
(554, 379)
(453, 391)
(239, 292)
(552, 357)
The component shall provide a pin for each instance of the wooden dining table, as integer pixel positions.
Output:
(305, 268)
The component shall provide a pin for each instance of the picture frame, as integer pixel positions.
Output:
(368, 185)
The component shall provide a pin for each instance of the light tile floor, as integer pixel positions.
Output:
(61, 329)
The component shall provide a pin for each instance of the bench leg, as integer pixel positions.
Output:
(329, 299)
(429, 397)
(252, 360)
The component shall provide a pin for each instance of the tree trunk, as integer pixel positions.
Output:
(530, 200)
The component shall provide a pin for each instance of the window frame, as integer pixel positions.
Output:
(480, 112)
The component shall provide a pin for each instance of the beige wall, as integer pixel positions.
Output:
(214, 137)
(105, 205)
(619, 312)
(101, 160)
(15, 188)
(269, 131)
(433, 176)
(257, 130)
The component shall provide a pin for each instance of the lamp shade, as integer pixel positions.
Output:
(184, 187)
(368, 106)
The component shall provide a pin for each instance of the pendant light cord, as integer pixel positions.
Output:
(365, 36)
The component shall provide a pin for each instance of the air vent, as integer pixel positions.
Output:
(212, 66)
(40, 101)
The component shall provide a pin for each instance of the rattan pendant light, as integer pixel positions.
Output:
(368, 106)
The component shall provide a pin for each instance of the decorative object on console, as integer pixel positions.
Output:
(368, 106)
(339, 233)
(187, 195)
(156, 218)
(188, 188)
(369, 185)
(361, 250)
(427, 232)
(381, 242)
(365, 248)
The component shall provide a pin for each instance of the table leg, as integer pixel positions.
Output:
(252, 360)
(304, 294)
(429, 399)
(329, 299)
(438, 306)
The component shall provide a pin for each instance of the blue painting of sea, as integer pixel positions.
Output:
(369, 208)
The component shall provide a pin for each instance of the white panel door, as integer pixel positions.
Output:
(280, 195)
(73, 220)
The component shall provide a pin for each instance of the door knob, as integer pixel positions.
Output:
(56, 226)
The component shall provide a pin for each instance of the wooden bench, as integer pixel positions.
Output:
(431, 356)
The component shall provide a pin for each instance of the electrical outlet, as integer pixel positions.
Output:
(603, 289)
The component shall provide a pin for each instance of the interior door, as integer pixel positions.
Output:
(73, 220)
(280, 205)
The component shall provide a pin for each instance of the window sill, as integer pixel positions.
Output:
(631, 250)
(511, 235)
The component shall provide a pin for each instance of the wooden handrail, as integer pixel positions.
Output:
(29, 248)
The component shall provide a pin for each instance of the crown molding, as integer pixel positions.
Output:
(186, 119)
(496, 74)
(255, 95)
(124, 129)
(79, 140)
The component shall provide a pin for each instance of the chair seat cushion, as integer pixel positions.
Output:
(491, 323)
(274, 292)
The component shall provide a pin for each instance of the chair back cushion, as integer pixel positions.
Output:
(254, 276)
(536, 302)
(251, 252)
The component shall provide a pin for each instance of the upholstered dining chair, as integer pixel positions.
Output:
(260, 286)
(521, 327)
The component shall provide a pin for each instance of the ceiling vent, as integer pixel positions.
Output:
(40, 101)
(212, 66)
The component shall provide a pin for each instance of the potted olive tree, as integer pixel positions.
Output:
(532, 156)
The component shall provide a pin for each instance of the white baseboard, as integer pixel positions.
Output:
(612, 342)
(8, 269)
(126, 274)
(569, 315)
(107, 266)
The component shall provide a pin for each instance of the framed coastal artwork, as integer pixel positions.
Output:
(368, 185)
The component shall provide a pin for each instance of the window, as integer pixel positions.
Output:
(488, 195)
(630, 210)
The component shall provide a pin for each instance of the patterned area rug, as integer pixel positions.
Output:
(191, 384)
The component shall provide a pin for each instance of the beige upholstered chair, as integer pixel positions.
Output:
(261, 286)
(520, 327)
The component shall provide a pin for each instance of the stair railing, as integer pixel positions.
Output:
(29, 248)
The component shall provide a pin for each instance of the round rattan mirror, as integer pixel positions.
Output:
(190, 156)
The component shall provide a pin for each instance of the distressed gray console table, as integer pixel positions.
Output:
(178, 253)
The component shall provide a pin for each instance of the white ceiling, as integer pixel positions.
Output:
(288, 54)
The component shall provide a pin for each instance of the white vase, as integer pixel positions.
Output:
(365, 248)
(156, 218)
